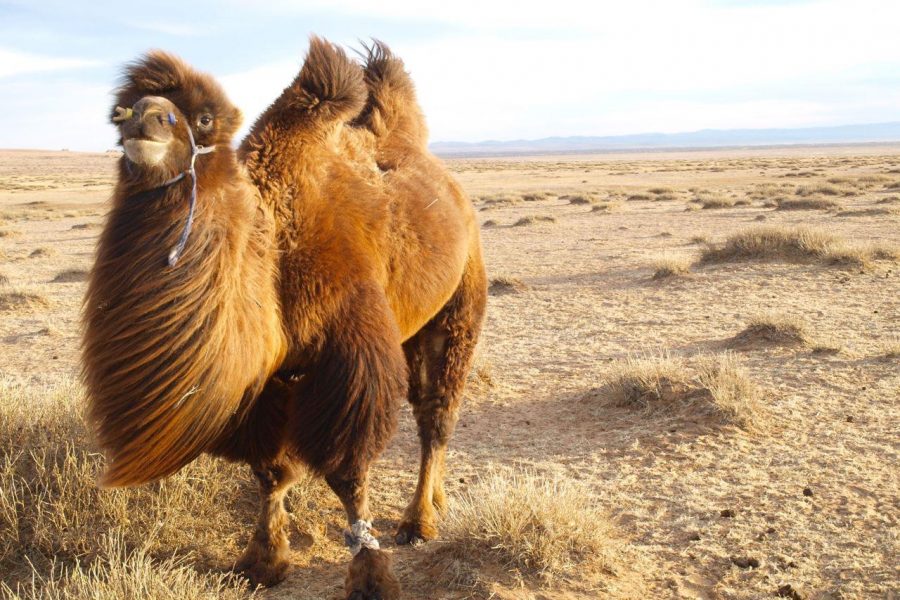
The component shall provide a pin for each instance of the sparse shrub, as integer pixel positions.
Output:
(4, 280)
(889, 200)
(699, 239)
(42, 253)
(638, 197)
(85, 226)
(506, 285)
(668, 266)
(71, 276)
(489, 223)
(868, 212)
(809, 203)
(21, 301)
(891, 349)
(536, 526)
(534, 219)
(659, 191)
(51, 510)
(715, 386)
(119, 573)
(772, 328)
(787, 243)
(500, 200)
(823, 190)
(535, 196)
(606, 207)
(578, 199)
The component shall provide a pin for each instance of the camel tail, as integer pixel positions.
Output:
(392, 111)
(329, 87)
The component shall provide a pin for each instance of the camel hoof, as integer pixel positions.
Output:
(370, 577)
(412, 532)
(263, 573)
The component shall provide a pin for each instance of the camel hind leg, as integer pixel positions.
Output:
(439, 358)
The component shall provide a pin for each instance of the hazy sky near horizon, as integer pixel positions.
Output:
(483, 69)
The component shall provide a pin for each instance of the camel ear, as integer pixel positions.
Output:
(155, 73)
(233, 121)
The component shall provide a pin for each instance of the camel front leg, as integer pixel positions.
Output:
(267, 558)
(370, 574)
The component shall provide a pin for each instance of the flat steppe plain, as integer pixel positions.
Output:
(796, 498)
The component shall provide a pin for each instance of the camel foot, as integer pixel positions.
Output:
(411, 532)
(260, 570)
(370, 577)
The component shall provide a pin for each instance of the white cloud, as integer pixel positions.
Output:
(15, 62)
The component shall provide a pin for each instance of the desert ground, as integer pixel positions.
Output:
(688, 386)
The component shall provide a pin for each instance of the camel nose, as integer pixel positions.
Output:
(153, 118)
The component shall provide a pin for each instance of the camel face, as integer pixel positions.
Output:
(149, 134)
(159, 85)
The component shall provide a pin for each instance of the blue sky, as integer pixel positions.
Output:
(484, 70)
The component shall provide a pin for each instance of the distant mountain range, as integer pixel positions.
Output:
(705, 138)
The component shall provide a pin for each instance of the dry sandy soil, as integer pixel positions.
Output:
(799, 501)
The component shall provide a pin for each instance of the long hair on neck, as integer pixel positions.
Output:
(173, 355)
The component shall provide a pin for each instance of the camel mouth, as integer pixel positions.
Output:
(146, 152)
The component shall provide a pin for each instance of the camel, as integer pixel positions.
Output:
(273, 305)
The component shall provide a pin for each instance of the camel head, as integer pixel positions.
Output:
(160, 99)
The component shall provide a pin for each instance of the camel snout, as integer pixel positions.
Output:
(148, 130)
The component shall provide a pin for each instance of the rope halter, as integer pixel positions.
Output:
(196, 151)
(123, 114)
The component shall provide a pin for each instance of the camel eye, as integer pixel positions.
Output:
(206, 120)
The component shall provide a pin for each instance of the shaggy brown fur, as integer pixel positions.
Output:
(380, 294)
(172, 354)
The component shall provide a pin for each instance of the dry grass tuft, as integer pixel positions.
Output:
(712, 203)
(606, 207)
(772, 328)
(889, 200)
(506, 285)
(891, 349)
(638, 197)
(86, 226)
(578, 199)
(535, 526)
(716, 386)
(489, 223)
(534, 219)
(824, 190)
(809, 203)
(71, 276)
(790, 243)
(52, 513)
(119, 573)
(22, 301)
(42, 253)
(869, 212)
(669, 265)
(535, 196)
(4, 280)
(9, 233)
(500, 200)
